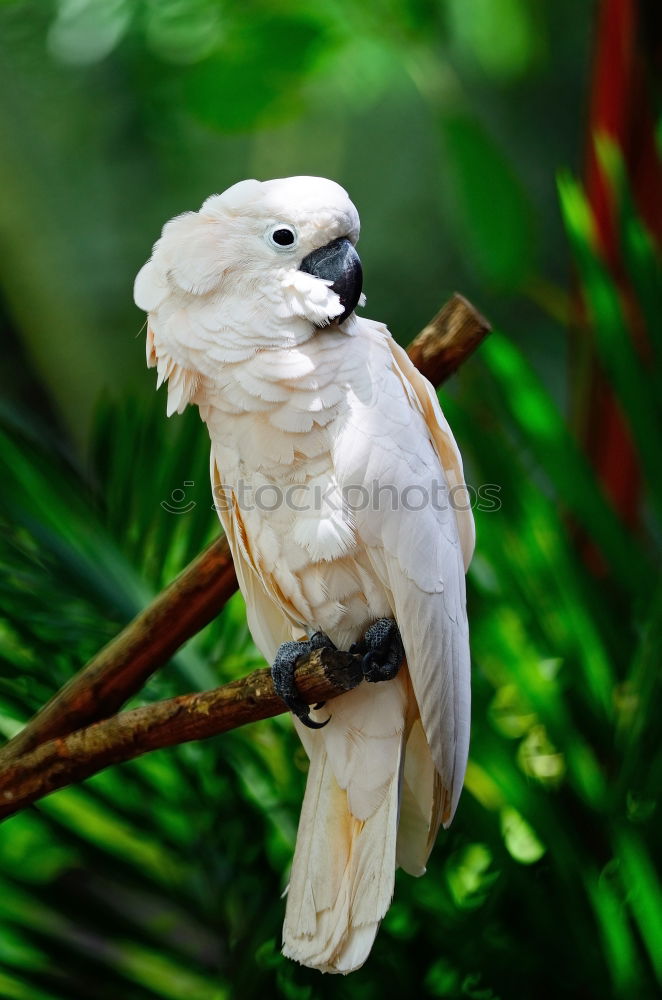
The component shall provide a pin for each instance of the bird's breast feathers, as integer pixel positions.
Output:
(280, 479)
(320, 451)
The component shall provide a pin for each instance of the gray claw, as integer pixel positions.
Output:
(384, 651)
(282, 673)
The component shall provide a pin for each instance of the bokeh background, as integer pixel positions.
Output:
(507, 149)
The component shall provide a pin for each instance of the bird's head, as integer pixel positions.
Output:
(279, 251)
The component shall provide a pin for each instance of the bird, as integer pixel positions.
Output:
(340, 488)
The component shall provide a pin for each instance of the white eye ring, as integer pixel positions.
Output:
(282, 236)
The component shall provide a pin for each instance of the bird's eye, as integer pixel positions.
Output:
(283, 236)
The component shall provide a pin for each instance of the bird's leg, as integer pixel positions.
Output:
(382, 650)
(282, 673)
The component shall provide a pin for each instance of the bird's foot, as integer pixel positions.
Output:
(282, 673)
(382, 650)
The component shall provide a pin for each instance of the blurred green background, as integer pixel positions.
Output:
(462, 130)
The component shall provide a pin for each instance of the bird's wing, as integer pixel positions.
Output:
(444, 443)
(267, 623)
(397, 440)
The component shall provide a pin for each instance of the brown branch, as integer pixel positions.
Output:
(322, 675)
(123, 666)
(193, 599)
(448, 340)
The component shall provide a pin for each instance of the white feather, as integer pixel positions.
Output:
(343, 873)
(234, 328)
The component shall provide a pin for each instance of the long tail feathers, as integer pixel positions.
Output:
(343, 872)
(343, 875)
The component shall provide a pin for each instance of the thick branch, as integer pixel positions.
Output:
(121, 668)
(323, 675)
(448, 340)
(197, 595)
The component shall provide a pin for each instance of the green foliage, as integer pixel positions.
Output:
(492, 209)
(117, 114)
(162, 878)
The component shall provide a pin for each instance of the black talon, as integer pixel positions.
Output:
(282, 673)
(311, 723)
(382, 650)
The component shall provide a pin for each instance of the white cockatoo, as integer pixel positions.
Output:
(340, 489)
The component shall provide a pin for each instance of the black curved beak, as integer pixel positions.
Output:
(339, 263)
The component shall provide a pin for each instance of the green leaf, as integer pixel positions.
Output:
(539, 424)
(614, 340)
(256, 75)
(492, 216)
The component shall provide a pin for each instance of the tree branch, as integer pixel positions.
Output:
(123, 666)
(448, 340)
(54, 749)
(322, 675)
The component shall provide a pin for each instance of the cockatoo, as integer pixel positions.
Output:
(340, 488)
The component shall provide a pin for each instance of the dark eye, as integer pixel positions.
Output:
(283, 236)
